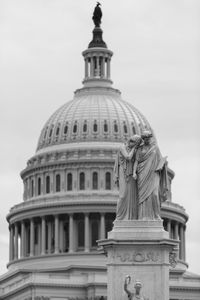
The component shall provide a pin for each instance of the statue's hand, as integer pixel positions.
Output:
(135, 176)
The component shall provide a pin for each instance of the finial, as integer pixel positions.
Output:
(97, 15)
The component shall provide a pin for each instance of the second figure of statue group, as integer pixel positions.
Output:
(141, 174)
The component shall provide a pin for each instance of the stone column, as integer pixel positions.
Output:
(32, 237)
(103, 67)
(71, 233)
(43, 235)
(11, 246)
(169, 227)
(181, 242)
(22, 252)
(92, 66)
(61, 236)
(86, 67)
(108, 68)
(102, 227)
(97, 69)
(56, 250)
(87, 236)
(16, 242)
(176, 231)
(49, 237)
(184, 248)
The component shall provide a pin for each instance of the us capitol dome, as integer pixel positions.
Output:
(69, 199)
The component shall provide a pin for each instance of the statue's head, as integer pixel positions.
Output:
(146, 136)
(134, 140)
(137, 286)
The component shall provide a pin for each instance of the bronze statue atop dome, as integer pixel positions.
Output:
(97, 15)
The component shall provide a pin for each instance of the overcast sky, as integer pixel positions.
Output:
(156, 66)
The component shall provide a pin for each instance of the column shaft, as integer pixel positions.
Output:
(32, 237)
(56, 250)
(22, 252)
(103, 67)
(11, 248)
(181, 242)
(49, 237)
(92, 67)
(71, 233)
(176, 231)
(16, 242)
(102, 226)
(43, 235)
(87, 237)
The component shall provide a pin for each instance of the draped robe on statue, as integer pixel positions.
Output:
(152, 181)
(123, 171)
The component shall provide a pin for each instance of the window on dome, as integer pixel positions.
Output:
(108, 181)
(95, 181)
(82, 181)
(69, 181)
(58, 183)
(133, 129)
(39, 186)
(95, 126)
(57, 131)
(115, 127)
(47, 184)
(32, 188)
(66, 129)
(105, 127)
(50, 133)
(125, 128)
(81, 239)
(75, 128)
(95, 232)
(85, 126)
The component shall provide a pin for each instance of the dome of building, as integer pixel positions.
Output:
(95, 114)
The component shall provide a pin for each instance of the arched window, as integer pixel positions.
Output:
(57, 131)
(82, 181)
(58, 183)
(95, 181)
(85, 126)
(47, 184)
(95, 127)
(75, 128)
(39, 186)
(69, 181)
(95, 232)
(32, 188)
(125, 128)
(133, 129)
(50, 132)
(65, 129)
(115, 127)
(108, 181)
(81, 239)
(105, 127)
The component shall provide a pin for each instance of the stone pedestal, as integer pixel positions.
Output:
(140, 249)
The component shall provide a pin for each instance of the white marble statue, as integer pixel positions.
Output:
(127, 206)
(150, 171)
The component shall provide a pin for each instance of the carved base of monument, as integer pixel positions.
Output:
(140, 249)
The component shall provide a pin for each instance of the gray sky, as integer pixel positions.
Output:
(155, 65)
